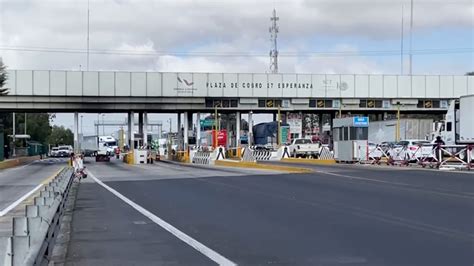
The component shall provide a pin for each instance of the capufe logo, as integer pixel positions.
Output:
(186, 87)
(189, 84)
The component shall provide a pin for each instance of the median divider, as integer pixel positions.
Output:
(309, 161)
(33, 235)
(254, 165)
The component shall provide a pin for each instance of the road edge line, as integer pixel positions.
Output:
(208, 252)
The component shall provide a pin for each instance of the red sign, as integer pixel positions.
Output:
(221, 138)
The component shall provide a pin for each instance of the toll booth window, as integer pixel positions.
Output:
(277, 103)
(312, 103)
(346, 133)
(209, 103)
(359, 133)
(261, 103)
(234, 103)
(436, 104)
(337, 135)
(327, 103)
(225, 103)
(363, 103)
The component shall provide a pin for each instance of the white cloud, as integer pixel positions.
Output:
(230, 26)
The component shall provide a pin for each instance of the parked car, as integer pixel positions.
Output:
(413, 149)
(374, 153)
(386, 146)
(54, 152)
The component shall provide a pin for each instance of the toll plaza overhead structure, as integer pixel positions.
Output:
(188, 93)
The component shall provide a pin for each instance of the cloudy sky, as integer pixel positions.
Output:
(316, 36)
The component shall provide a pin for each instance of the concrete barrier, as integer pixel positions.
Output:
(33, 235)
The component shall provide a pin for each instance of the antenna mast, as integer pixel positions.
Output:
(273, 38)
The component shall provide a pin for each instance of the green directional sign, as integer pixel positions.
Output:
(285, 132)
(207, 122)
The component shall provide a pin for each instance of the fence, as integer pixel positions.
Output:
(33, 236)
(440, 156)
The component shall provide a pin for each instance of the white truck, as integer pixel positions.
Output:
(102, 147)
(458, 126)
(304, 148)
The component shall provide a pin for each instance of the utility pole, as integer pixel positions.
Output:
(88, 19)
(14, 135)
(411, 37)
(401, 45)
(273, 38)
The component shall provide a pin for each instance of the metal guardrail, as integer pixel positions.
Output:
(33, 235)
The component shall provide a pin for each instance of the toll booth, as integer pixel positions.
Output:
(350, 133)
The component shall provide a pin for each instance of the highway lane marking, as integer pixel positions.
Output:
(20, 200)
(464, 195)
(206, 251)
(358, 211)
(25, 196)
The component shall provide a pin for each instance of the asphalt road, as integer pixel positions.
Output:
(15, 182)
(335, 216)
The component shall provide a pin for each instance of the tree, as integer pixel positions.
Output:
(470, 73)
(60, 135)
(3, 78)
(38, 126)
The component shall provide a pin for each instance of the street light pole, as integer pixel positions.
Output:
(103, 126)
(398, 122)
(82, 132)
(14, 135)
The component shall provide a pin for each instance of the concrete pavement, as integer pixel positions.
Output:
(335, 216)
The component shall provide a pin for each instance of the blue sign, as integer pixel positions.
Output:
(361, 121)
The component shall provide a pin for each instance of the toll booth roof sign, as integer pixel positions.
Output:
(360, 121)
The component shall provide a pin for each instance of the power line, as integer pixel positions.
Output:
(432, 51)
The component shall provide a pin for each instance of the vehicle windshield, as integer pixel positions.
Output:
(402, 143)
(423, 142)
(55, 149)
(111, 143)
(303, 141)
(63, 148)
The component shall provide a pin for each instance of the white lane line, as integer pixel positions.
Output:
(443, 192)
(18, 201)
(211, 254)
